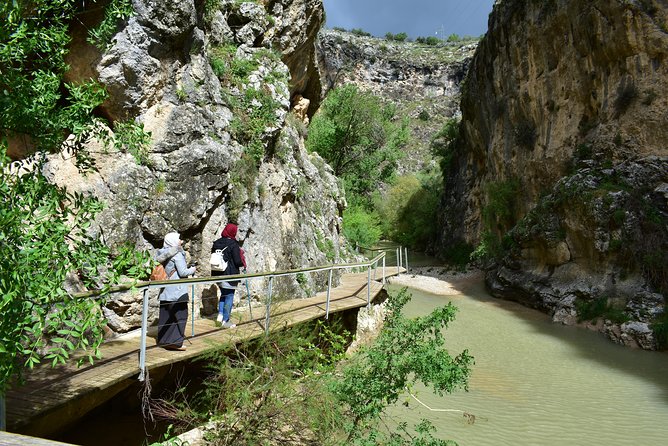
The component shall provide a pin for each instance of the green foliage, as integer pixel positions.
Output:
(229, 68)
(488, 248)
(117, 11)
(459, 254)
(499, 210)
(129, 137)
(44, 237)
(454, 38)
(34, 102)
(589, 310)
(409, 208)
(406, 351)
(132, 263)
(210, 8)
(399, 37)
(354, 131)
(360, 32)
(269, 391)
(430, 40)
(45, 230)
(296, 386)
(444, 144)
(583, 151)
(326, 246)
(361, 227)
(243, 176)
(660, 329)
(254, 109)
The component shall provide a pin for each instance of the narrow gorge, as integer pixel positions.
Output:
(561, 174)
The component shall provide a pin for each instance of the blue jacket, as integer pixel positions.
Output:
(174, 261)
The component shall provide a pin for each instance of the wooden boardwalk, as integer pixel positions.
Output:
(54, 396)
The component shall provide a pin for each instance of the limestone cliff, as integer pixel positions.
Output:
(563, 160)
(213, 83)
(423, 81)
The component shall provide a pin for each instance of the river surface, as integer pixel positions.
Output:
(538, 383)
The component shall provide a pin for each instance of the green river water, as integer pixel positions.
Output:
(539, 383)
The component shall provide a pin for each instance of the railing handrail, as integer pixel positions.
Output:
(204, 280)
(139, 285)
(387, 248)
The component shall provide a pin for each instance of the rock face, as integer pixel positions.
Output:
(564, 109)
(423, 81)
(213, 85)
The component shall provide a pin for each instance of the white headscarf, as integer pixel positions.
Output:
(171, 239)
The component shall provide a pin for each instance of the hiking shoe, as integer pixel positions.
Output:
(229, 324)
(219, 320)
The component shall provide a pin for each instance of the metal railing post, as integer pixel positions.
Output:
(383, 270)
(406, 258)
(142, 341)
(397, 262)
(266, 322)
(329, 288)
(192, 314)
(401, 253)
(368, 287)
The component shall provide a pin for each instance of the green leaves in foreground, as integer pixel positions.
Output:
(405, 352)
(43, 237)
(296, 386)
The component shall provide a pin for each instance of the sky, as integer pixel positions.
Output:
(417, 18)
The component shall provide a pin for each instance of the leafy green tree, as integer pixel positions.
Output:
(409, 208)
(357, 135)
(44, 230)
(43, 238)
(361, 227)
(400, 37)
(406, 351)
(35, 105)
(297, 386)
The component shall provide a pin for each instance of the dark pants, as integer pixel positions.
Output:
(172, 322)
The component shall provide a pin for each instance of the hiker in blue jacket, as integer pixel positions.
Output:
(173, 299)
(234, 256)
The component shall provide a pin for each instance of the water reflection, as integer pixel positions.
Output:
(540, 383)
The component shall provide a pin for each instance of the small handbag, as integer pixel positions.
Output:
(217, 260)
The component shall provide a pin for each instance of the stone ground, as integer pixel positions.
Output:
(438, 280)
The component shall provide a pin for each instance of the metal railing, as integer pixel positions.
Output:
(146, 286)
(401, 253)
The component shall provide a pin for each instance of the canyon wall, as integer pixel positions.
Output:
(561, 174)
(213, 83)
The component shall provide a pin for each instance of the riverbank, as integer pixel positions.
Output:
(441, 281)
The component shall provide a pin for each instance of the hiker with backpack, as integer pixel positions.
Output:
(232, 259)
(173, 299)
